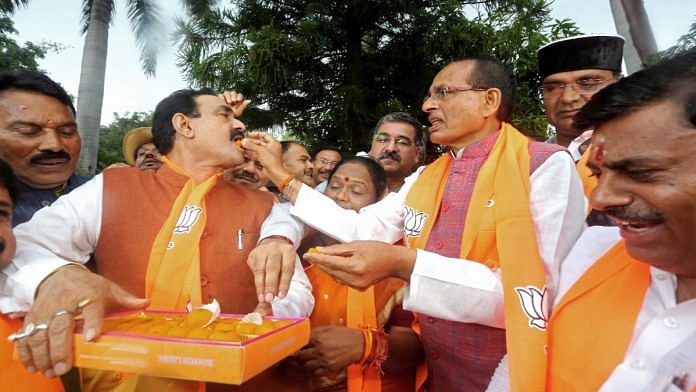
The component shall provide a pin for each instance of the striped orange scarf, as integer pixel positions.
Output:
(498, 232)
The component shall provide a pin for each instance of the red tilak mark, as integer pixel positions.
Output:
(346, 179)
(599, 153)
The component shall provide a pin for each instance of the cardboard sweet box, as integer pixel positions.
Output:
(187, 346)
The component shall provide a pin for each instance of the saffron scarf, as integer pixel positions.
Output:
(173, 271)
(592, 326)
(499, 232)
(361, 313)
(172, 281)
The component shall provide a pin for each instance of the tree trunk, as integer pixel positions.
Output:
(91, 91)
(632, 23)
(354, 76)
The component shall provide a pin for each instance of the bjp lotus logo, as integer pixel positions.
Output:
(535, 305)
(189, 216)
(413, 222)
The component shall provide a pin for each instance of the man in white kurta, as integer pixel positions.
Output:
(444, 288)
(644, 157)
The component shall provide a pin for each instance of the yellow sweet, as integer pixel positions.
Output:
(225, 325)
(198, 318)
(178, 332)
(262, 329)
(246, 328)
(227, 336)
(313, 250)
(200, 333)
(161, 327)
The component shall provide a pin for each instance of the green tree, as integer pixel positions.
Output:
(111, 136)
(327, 70)
(12, 55)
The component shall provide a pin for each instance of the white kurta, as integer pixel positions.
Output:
(663, 346)
(68, 231)
(450, 288)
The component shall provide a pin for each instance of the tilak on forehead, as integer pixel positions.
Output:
(346, 179)
(598, 148)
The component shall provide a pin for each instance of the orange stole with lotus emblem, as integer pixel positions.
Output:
(504, 179)
(592, 326)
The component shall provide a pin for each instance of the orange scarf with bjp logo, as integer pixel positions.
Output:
(499, 232)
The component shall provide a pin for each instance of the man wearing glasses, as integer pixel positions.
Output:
(398, 145)
(325, 159)
(486, 226)
(572, 70)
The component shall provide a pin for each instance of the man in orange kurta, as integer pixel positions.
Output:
(176, 236)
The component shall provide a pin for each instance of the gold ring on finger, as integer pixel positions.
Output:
(62, 313)
(84, 302)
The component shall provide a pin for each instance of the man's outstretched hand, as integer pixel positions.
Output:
(361, 264)
(68, 292)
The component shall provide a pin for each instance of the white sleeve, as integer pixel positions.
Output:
(466, 291)
(382, 221)
(65, 232)
(280, 222)
(299, 302)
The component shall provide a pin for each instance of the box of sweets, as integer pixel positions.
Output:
(191, 345)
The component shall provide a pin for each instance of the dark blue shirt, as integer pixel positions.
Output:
(32, 200)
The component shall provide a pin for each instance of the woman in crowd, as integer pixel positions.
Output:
(357, 334)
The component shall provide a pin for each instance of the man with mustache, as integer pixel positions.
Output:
(572, 70)
(140, 151)
(325, 159)
(38, 139)
(178, 236)
(249, 175)
(625, 317)
(486, 225)
(398, 145)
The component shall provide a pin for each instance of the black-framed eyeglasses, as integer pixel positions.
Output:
(383, 138)
(582, 87)
(441, 91)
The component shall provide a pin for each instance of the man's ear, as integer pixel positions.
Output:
(492, 98)
(182, 126)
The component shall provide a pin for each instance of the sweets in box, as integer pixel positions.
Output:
(192, 346)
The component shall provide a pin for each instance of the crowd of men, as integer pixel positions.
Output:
(486, 269)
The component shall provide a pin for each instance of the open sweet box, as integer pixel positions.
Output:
(172, 344)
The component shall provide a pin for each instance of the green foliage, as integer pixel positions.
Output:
(328, 70)
(684, 44)
(111, 136)
(12, 55)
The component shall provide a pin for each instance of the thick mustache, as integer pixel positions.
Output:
(391, 155)
(247, 175)
(235, 133)
(640, 214)
(46, 155)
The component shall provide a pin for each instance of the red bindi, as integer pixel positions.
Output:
(346, 179)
